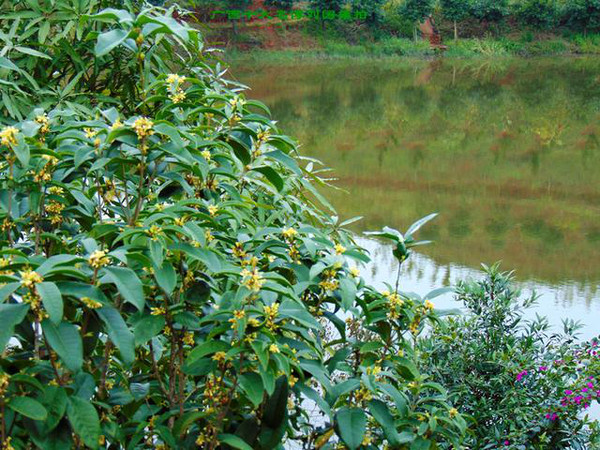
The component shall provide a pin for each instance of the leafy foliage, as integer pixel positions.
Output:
(519, 385)
(171, 275)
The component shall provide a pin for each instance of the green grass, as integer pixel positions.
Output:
(462, 48)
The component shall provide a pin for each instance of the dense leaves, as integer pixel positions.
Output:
(518, 384)
(171, 276)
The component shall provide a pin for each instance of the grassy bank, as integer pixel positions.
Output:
(461, 48)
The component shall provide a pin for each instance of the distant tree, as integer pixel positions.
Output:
(280, 4)
(373, 9)
(416, 11)
(324, 5)
(540, 14)
(582, 15)
(455, 10)
(489, 10)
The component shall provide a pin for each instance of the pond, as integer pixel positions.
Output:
(507, 151)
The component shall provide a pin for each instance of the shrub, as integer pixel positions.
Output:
(582, 15)
(171, 277)
(541, 14)
(519, 385)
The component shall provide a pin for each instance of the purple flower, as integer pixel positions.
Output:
(520, 375)
(568, 392)
(543, 368)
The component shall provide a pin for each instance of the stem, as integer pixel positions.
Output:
(156, 372)
(398, 276)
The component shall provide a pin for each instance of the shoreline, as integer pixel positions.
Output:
(394, 48)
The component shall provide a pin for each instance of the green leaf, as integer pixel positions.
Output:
(234, 441)
(52, 300)
(10, 315)
(147, 328)
(379, 410)
(166, 277)
(55, 401)
(28, 407)
(418, 224)
(208, 348)
(420, 444)
(32, 52)
(8, 289)
(407, 368)
(350, 426)
(348, 292)
(276, 405)
(109, 40)
(84, 420)
(271, 175)
(296, 311)
(128, 284)
(119, 333)
(251, 383)
(66, 342)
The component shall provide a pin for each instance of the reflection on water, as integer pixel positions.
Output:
(421, 274)
(506, 151)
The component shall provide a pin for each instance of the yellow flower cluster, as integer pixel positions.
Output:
(429, 305)
(289, 233)
(4, 380)
(154, 232)
(206, 155)
(56, 190)
(263, 136)
(8, 136)
(178, 96)
(55, 210)
(250, 262)
(29, 278)
(188, 338)
(175, 81)
(329, 283)
(237, 101)
(253, 279)
(294, 254)
(3, 263)
(116, 124)
(339, 249)
(219, 356)
(98, 259)
(92, 304)
(34, 300)
(363, 395)
(237, 315)
(43, 120)
(46, 173)
(90, 133)
(414, 326)
(143, 127)
(238, 250)
(271, 313)
(394, 304)
(208, 236)
(273, 348)
(213, 209)
(212, 184)
(157, 311)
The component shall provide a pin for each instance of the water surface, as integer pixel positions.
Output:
(508, 152)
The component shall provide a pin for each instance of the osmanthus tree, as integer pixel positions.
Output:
(171, 277)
